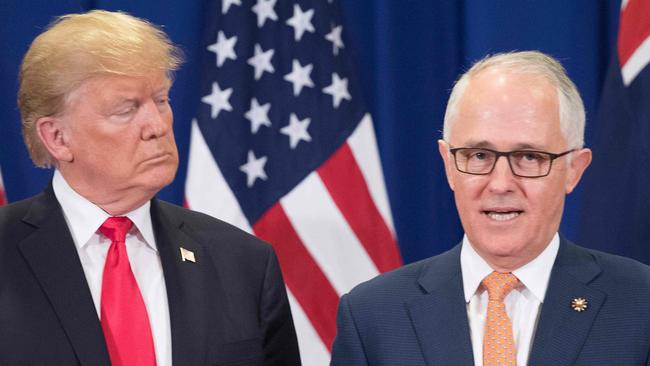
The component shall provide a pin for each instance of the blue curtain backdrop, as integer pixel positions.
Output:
(408, 52)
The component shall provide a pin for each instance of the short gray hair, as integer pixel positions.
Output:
(572, 110)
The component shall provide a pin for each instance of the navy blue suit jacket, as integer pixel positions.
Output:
(416, 315)
(228, 308)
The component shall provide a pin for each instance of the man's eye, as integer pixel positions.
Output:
(532, 156)
(126, 111)
(478, 155)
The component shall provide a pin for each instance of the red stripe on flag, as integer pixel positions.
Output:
(3, 199)
(349, 190)
(301, 273)
(634, 28)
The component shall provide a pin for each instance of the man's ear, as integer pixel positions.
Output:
(53, 135)
(443, 148)
(580, 160)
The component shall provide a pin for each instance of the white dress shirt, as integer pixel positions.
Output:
(84, 219)
(523, 304)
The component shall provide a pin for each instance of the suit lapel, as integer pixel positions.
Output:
(439, 317)
(562, 331)
(192, 289)
(52, 256)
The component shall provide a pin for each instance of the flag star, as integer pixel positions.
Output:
(264, 10)
(224, 48)
(335, 37)
(296, 130)
(299, 77)
(258, 115)
(218, 100)
(261, 61)
(254, 168)
(301, 21)
(338, 90)
(225, 5)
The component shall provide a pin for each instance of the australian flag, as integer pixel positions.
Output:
(616, 216)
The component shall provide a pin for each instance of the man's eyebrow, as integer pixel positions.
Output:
(484, 144)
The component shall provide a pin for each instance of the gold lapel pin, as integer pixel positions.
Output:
(187, 255)
(579, 304)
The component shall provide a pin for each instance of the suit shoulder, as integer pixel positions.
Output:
(18, 209)
(625, 271)
(208, 229)
(615, 272)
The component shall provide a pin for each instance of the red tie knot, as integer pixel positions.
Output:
(115, 228)
(498, 285)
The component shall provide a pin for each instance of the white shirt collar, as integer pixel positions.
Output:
(84, 218)
(534, 275)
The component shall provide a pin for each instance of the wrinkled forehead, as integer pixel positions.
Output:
(108, 86)
(502, 109)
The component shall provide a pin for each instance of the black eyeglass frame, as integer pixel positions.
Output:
(507, 154)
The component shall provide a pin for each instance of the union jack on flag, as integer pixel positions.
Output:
(282, 146)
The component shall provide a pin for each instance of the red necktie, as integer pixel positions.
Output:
(123, 315)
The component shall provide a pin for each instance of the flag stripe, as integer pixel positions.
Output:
(206, 190)
(346, 185)
(637, 62)
(302, 275)
(634, 28)
(327, 235)
(312, 350)
(363, 144)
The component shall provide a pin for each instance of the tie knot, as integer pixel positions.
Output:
(498, 285)
(115, 228)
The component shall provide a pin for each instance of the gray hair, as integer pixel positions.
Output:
(572, 110)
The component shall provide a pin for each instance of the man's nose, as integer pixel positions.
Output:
(502, 177)
(154, 122)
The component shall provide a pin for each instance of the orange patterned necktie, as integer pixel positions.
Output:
(498, 343)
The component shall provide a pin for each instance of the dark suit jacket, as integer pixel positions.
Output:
(416, 315)
(228, 308)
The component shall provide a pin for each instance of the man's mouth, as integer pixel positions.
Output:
(503, 215)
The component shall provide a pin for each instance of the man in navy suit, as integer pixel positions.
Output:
(512, 148)
(94, 270)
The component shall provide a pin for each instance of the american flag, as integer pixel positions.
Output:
(282, 146)
(622, 144)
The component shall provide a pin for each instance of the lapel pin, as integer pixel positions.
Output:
(187, 255)
(579, 304)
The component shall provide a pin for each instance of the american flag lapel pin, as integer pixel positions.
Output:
(187, 255)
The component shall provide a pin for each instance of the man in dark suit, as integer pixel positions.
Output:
(514, 292)
(94, 270)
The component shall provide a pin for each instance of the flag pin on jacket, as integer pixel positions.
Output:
(187, 255)
(579, 304)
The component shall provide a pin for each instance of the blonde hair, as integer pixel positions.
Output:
(76, 47)
(571, 107)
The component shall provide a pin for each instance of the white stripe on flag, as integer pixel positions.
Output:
(637, 62)
(206, 190)
(363, 144)
(312, 350)
(327, 235)
(624, 4)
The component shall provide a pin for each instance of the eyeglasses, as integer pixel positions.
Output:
(523, 163)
